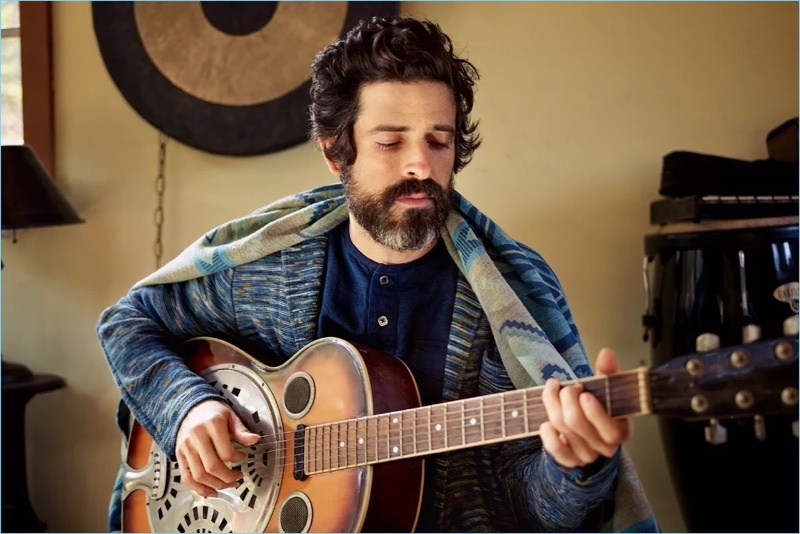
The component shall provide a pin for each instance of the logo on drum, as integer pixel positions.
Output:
(787, 293)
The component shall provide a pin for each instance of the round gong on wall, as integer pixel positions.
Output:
(224, 77)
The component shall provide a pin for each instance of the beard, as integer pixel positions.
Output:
(398, 229)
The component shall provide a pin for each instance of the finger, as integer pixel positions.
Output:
(556, 447)
(611, 432)
(240, 432)
(581, 434)
(552, 403)
(185, 466)
(215, 450)
(606, 362)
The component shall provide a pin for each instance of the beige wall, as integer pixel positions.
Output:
(578, 104)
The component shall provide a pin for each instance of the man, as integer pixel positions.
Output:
(399, 262)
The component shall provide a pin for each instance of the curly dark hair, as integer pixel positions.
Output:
(387, 49)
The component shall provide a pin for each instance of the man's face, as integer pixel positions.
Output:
(400, 187)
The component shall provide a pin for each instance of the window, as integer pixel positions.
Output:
(26, 70)
(11, 72)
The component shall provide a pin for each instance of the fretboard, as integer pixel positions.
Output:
(458, 424)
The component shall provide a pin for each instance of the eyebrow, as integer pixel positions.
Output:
(390, 128)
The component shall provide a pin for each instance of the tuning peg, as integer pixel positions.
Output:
(760, 428)
(706, 341)
(790, 326)
(716, 434)
(750, 333)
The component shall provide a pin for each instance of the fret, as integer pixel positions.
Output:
(361, 441)
(326, 447)
(341, 444)
(422, 430)
(525, 408)
(309, 452)
(372, 440)
(503, 415)
(454, 423)
(345, 443)
(513, 413)
(395, 435)
(351, 443)
(493, 424)
(473, 421)
(438, 428)
(383, 438)
(408, 432)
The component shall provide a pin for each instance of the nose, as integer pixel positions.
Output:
(417, 164)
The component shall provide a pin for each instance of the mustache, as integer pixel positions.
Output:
(411, 187)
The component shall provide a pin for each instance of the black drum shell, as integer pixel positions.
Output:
(744, 484)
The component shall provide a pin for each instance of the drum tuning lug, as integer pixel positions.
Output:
(716, 434)
(794, 428)
(760, 428)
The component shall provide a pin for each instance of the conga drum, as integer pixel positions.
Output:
(735, 282)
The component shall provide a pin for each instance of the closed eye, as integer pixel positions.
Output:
(387, 146)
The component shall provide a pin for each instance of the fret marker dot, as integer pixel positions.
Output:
(394, 420)
(360, 441)
(473, 421)
(341, 443)
(395, 450)
(514, 413)
(438, 427)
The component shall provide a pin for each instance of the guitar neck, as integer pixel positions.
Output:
(458, 424)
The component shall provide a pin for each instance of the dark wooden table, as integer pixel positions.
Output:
(18, 514)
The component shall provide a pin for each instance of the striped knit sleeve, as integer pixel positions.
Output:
(551, 497)
(139, 336)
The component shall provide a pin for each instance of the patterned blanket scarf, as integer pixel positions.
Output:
(521, 298)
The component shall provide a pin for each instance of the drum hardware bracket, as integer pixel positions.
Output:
(794, 428)
(760, 428)
(648, 321)
(715, 433)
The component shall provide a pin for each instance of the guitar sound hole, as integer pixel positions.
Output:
(298, 395)
(295, 514)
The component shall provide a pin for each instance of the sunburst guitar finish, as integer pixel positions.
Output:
(287, 485)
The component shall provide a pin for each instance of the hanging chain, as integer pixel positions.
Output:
(161, 183)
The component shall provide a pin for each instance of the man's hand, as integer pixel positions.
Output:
(579, 429)
(203, 446)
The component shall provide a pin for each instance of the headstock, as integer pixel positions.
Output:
(755, 379)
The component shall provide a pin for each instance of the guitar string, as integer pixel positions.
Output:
(518, 399)
(454, 416)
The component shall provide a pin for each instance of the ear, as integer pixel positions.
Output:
(325, 143)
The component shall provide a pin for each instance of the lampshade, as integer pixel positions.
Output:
(30, 197)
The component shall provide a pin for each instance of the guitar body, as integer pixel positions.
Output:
(328, 380)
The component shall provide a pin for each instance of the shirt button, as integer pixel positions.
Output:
(382, 320)
(384, 280)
